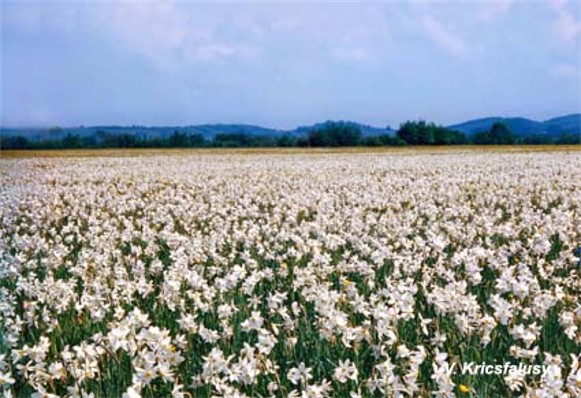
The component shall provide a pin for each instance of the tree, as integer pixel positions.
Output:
(261, 140)
(372, 141)
(197, 140)
(417, 133)
(482, 138)
(303, 142)
(335, 134)
(535, 139)
(178, 140)
(423, 133)
(127, 141)
(568, 139)
(388, 140)
(501, 135)
(286, 140)
(71, 141)
(320, 138)
(14, 142)
(89, 141)
(444, 136)
(232, 140)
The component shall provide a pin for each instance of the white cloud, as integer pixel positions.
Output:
(176, 35)
(212, 51)
(566, 27)
(364, 43)
(353, 54)
(170, 35)
(442, 36)
(494, 9)
(151, 29)
(567, 71)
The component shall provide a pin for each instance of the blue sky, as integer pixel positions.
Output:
(287, 64)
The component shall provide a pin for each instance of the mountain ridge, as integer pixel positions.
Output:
(520, 126)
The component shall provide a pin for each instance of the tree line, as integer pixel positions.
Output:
(332, 134)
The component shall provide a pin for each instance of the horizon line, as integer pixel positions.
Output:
(273, 128)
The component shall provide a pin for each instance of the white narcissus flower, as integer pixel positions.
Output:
(6, 379)
(239, 267)
(255, 322)
(131, 392)
(346, 370)
(300, 374)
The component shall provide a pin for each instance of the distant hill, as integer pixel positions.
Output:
(210, 130)
(518, 125)
(563, 124)
(366, 130)
(521, 126)
(207, 130)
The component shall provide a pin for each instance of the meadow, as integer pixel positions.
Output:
(290, 273)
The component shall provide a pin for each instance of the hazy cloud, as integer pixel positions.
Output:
(491, 10)
(170, 34)
(443, 37)
(568, 71)
(284, 64)
(566, 26)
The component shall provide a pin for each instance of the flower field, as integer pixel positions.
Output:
(290, 275)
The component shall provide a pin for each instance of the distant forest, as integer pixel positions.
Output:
(334, 134)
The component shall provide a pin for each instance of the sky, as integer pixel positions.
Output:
(283, 65)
